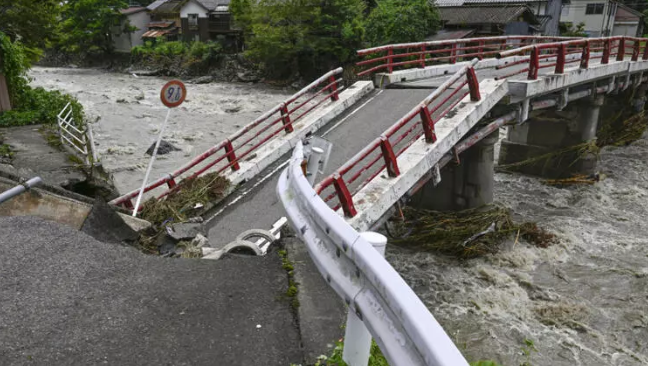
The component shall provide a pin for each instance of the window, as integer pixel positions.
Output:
(593, 9)
(193, 20)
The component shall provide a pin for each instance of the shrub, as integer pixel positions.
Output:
(401, 21)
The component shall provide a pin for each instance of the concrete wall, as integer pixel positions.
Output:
(125, 41)
(595, 24)
(192, 7)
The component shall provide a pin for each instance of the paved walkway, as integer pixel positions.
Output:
(67, 299)
(33, 156)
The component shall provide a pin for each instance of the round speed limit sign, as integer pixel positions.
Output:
(173, 93)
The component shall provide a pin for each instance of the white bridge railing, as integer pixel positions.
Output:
(377, 296)
(80, 141)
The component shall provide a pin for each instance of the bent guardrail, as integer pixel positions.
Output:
(404, 329)
(78, 141)
(225, 156)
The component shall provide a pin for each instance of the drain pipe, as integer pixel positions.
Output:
(11, 193)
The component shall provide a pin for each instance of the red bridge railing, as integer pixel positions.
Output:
(225, 156)
(381, 154)
(422, 54)
(556, 55)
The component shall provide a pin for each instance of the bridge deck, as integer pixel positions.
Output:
(255, 205)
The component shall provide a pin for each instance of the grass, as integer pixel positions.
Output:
(466, 234)
(5, 151)
(292, 290)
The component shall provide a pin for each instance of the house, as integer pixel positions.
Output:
(124, 38)
(627, 22)
(490, 20)
(546, 12)
(599, 17)
(191, 20)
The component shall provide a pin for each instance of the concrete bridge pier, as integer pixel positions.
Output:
(466, 185)
(554, 144)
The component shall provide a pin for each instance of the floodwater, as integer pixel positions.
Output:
(582, 302)
(130, 116)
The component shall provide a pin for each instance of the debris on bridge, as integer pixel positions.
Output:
(468, 233)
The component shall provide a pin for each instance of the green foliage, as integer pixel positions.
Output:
(399, 21)
(484, 363)
(527, 350)
(376, 357)
(171, 55)
(5, 151)
(31, 105)
(33, 21)
(567, 29)
(308, 36)
(87, 25)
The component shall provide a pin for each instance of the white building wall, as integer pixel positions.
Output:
(594, 23)
(192, 7)
(124, 41)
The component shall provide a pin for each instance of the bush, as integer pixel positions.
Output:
(177, 55)
(30, 105)
(401, 21)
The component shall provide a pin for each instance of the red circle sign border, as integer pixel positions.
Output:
(166, 86)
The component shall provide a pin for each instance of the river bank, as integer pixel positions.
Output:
(126, 113)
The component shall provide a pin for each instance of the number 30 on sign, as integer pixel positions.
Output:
(173, 93)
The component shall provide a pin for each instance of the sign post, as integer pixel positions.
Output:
(172, 95)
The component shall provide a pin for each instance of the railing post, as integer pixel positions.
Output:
(606, 52)
(560, 59)
(645, 53)
(423, 56)
(635, 51)
(453, 53)
(428, 125)
(171, 183)
(346, 201)
(334, 89)
(231, 155)
(285, 118)
(585, 56)
(357, 339)
(128, 204)
(390, 60)
(481, 50)
(473, 85)
(391, 164)
(621, 49)
(534, 64)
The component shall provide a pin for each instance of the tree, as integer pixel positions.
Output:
(31, 21)
(87, 25)
(308, 36)
(399, 21)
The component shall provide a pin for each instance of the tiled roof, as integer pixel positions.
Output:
(468, 15)
(626, 14)
(445, 34)
(445, 3)
(132, 10)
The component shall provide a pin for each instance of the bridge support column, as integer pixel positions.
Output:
(554, 144)
(468, 184)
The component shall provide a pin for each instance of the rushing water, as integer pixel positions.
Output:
(130, 115)
(583, 301)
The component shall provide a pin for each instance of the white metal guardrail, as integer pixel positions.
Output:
(81, 141)
(402, 326)
(15, 191)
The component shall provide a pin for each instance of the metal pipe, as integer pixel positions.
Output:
(11, 193)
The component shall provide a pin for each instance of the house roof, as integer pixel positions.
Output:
(132, 10)
(627, 14)
(468, 15)
(163, 24)
(453, 3)
(166, 6)
(154, 5)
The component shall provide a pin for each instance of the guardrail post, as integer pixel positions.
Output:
(635, 51)
(428, 125)
(391, 164)
(585, 56)
(231, 155)
(334, 88)
(285, 118)
(390, 60)
(534, 64)
(645, 53)
(560, 59)
(473, 85)
(346, 201)
(621, 49)
(606, 52)
(453, 54)
(481, 50)
(357, 339)
(171, 183)
(422, 56)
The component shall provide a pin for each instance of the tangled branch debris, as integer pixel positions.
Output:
(467, 234)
